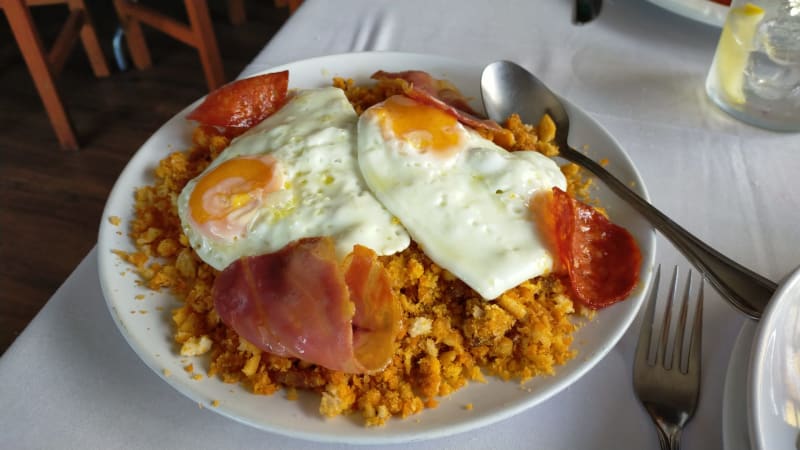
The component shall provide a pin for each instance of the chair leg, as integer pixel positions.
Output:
(237, 13)
(134, 35)
(292, 4)
(90, 41)
(33, 52)
(65, 42)
(206, 42)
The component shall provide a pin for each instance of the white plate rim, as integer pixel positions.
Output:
(175, 128)
(735, 432)
(704, 11)
(759, 373)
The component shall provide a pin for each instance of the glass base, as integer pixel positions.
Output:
(757, 118)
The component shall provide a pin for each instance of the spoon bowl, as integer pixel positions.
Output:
(507, 88)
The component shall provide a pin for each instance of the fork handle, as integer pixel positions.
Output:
(746, 290)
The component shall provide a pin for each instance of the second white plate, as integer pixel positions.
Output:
(704, 11)
(774, 377)
(735, 433)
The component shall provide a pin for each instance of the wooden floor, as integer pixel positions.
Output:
(51, 200)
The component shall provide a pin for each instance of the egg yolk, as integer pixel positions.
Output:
(233, 189)
(424, 127)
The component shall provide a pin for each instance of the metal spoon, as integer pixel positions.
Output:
(508, 88)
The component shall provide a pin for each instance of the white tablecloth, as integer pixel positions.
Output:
(71, 381)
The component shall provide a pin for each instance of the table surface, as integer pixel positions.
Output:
(71, 381)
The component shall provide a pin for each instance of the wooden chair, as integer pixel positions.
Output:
(236, 12)
(238, 15)
(292, 4)
(45, 66)
(198, 33)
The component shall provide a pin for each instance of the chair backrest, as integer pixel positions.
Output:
(198, 33)
(44, 66)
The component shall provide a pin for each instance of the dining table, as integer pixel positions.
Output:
(70, 379)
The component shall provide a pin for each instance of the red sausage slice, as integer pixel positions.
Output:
(602, 260)
(243, 103)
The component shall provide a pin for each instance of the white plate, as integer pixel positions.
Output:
(774, 388)
(735, 434)
(704, 11)
(150, 334)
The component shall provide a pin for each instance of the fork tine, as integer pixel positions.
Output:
(669, 396)
(678, 355)
(662, 347)
(695, 347)
(646, 332)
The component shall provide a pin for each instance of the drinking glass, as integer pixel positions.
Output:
(755, 75)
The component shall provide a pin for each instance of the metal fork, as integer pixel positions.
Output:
(669, 387)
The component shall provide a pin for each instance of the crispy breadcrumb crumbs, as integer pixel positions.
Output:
(449, 335)
(114, 220)
(195, 346)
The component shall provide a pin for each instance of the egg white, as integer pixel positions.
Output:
(468, 210)
(313, 140)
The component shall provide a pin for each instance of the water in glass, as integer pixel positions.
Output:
(755, 75)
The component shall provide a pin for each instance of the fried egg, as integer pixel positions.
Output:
(294, 175)
(462, 198)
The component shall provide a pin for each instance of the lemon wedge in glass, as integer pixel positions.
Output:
(735, 44)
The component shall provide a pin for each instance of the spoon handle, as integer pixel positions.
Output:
(746, 290)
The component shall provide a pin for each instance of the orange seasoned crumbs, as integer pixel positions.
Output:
(362, 97)
(528, 137)
(449, 337)
(114, 220)
(578, 185)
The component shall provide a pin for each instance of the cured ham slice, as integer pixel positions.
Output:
(602, 260)
(243, 103)
(421, 81)
(421, 86)
(302, 302)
